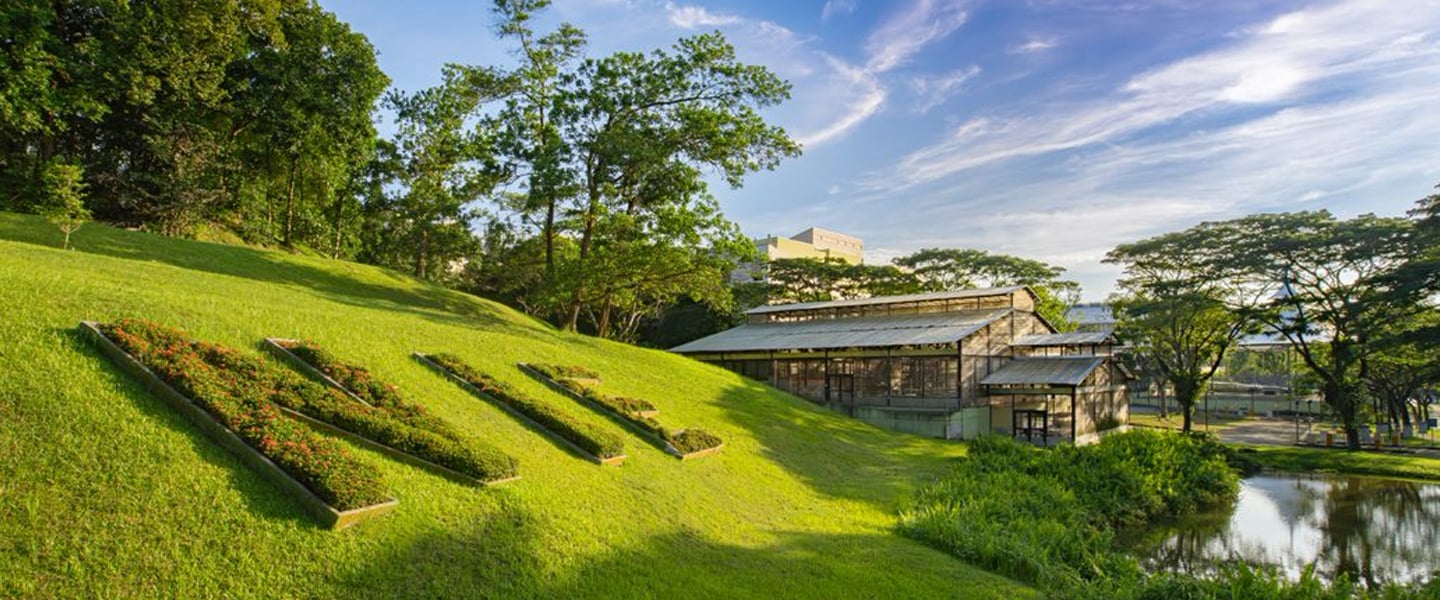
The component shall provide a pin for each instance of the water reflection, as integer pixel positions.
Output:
(1376, 530)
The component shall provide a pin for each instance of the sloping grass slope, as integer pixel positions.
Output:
(106, 492)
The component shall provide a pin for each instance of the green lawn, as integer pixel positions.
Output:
(106, 492)
(1336, 460)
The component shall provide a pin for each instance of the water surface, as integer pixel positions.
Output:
(1376, 530)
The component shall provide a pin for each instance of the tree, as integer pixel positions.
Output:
(63, 202)
(1174, 306)
(944, 269)
(445, 163)
(529, 138)
(640, 130)
(1326, 289)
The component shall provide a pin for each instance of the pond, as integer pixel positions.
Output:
(1376, 530)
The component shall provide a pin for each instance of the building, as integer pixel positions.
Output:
(948, 364)
(814, 243)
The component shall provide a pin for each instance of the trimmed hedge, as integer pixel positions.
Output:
(558, 372)
(358, 380)
(620, 404)
(591, 439)
(633, 410)
(233, 389)
(693, 440)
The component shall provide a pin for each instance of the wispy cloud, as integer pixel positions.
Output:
(836, 7)
(890, 46)
(1035, 45)
(687, 16)
(1316, 50)
(1328, 107)
(935, 90)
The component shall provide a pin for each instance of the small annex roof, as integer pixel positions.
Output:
(879, 300)
(1073, 338)
(860, 332)
(1048, 370)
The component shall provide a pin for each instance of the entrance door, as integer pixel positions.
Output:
(840, 389)
(1031, 424)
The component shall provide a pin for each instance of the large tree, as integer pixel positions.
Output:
(943, 269)
(1174, 306)
(1327, 284)
(643, 129)
(444, 164)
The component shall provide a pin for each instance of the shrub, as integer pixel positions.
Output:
(693, 440)
(224, 385)
(587, 437)
(360, 382)
(634, 411)
(1047, 517)
(559, 372)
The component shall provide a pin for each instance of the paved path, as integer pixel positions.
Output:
(1260, 432)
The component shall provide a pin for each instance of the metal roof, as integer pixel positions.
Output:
(1074, 338)
(1056, 370)
(930, 297)
(859, 332)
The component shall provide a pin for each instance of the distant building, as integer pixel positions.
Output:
(946, 364)
(814, 243)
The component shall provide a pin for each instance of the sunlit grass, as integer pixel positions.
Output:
(105, 492)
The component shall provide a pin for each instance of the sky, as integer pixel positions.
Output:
(1049, 129)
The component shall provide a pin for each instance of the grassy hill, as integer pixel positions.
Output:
(105, 491)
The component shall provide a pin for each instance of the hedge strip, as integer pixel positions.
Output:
(559, 372)
(683, 443)
(357, 380)
(437, 448)
(234, 390)
(588, 438)
(322, 403)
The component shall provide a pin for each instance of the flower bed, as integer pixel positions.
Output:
(358, 381)
(375, 415)
(601, 445)
(638, 414)
(568, 372)
(219, 390)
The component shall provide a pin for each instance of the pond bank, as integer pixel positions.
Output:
(1332, 460)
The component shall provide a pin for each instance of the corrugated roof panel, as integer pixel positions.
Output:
(930, 297)
(1064, 339)
(1067, 370)
(862, 332)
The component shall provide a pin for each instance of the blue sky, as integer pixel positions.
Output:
(1051, 129)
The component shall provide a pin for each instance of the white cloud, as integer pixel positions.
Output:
(935, 90)
(836, 7)
(691, 17)
(906, 33)
(1348, 124)
(1035, 45)
(1332, 49)
(889, 47)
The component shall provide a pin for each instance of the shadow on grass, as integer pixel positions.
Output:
(262, 497)
(379, 288)
(501, 558)
(858, 462)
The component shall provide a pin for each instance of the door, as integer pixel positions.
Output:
(840, 389)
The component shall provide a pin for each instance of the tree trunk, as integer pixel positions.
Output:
(420, 254)
(586, 239)
(290, 205)
(603, 329)
(1186, 391)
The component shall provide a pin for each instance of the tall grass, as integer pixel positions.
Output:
(1048, 517)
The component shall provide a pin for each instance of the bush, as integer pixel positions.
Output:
(588, 438)
(559, 372)
(226, 386)
(693, 440)
(1047, 517)
(360, 382)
